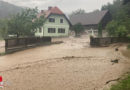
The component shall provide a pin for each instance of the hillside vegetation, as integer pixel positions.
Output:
(120, 24)
(7, 9)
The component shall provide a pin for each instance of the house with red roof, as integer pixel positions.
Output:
(56, 24)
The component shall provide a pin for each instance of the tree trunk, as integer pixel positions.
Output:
(17, 35)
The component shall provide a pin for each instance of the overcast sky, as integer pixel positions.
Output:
(66, 6)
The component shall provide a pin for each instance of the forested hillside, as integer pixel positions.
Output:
(120, 25)
(7, 9)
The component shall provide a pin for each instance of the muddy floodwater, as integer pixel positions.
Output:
(71, 65)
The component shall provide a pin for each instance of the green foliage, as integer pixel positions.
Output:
(122, 85)
(113, 8)
(2, 54)
(128, 36)
(121, 31)
(100, 30)
(120, 26)
(79, 11)
(114, 29)
(111, 28)
(25, 23)
(3, 28)
(78, 28)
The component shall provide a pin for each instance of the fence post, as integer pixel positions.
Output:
(6, 45)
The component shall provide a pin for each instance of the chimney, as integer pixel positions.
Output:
(49, 8)
(42, 11)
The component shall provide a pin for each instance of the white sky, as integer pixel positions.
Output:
(66, 6)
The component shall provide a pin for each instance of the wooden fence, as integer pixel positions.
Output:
(106, 41)
(15, 44)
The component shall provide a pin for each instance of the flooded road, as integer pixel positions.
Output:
(71, 65)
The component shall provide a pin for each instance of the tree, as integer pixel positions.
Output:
(113, 8)
(111, 28)
(76, 12)
(100, 30)
(121, 17)
(114, 29)
(3, 28)
(78, 28)
(121, 31)
(25, 23)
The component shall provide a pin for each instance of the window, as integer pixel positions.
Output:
(51, 20)
(61, 20)
(40, 30)
(51, 30)
(61, 30)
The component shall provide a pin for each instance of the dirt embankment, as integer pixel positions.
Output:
(72, 65)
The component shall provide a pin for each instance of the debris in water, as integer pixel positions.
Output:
(115, 61)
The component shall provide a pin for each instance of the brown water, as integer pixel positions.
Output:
(72, 65)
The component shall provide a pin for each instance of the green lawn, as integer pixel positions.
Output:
(122, 85)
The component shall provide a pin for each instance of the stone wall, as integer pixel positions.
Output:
(106, 41)
(15, 44)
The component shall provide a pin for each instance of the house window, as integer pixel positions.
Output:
(61, 30)
(61, 20)
(40, 30)
(51, 20)
(51, 30)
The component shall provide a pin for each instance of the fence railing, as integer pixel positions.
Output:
(105, 41)
(14, 44)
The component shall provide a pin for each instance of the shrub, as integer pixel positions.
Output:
(121, 31)
(128, 36)
(111, 28)
(100, 30)
(78, 28)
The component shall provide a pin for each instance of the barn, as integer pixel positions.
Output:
(91, 21)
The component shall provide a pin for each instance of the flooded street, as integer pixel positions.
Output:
(71, 65)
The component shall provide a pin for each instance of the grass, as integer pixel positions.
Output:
(122, 85)
(2, 54)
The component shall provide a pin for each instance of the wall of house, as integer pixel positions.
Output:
(91, 29)
(55, 25)
(38, 33)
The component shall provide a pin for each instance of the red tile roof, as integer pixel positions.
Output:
(51, 10)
